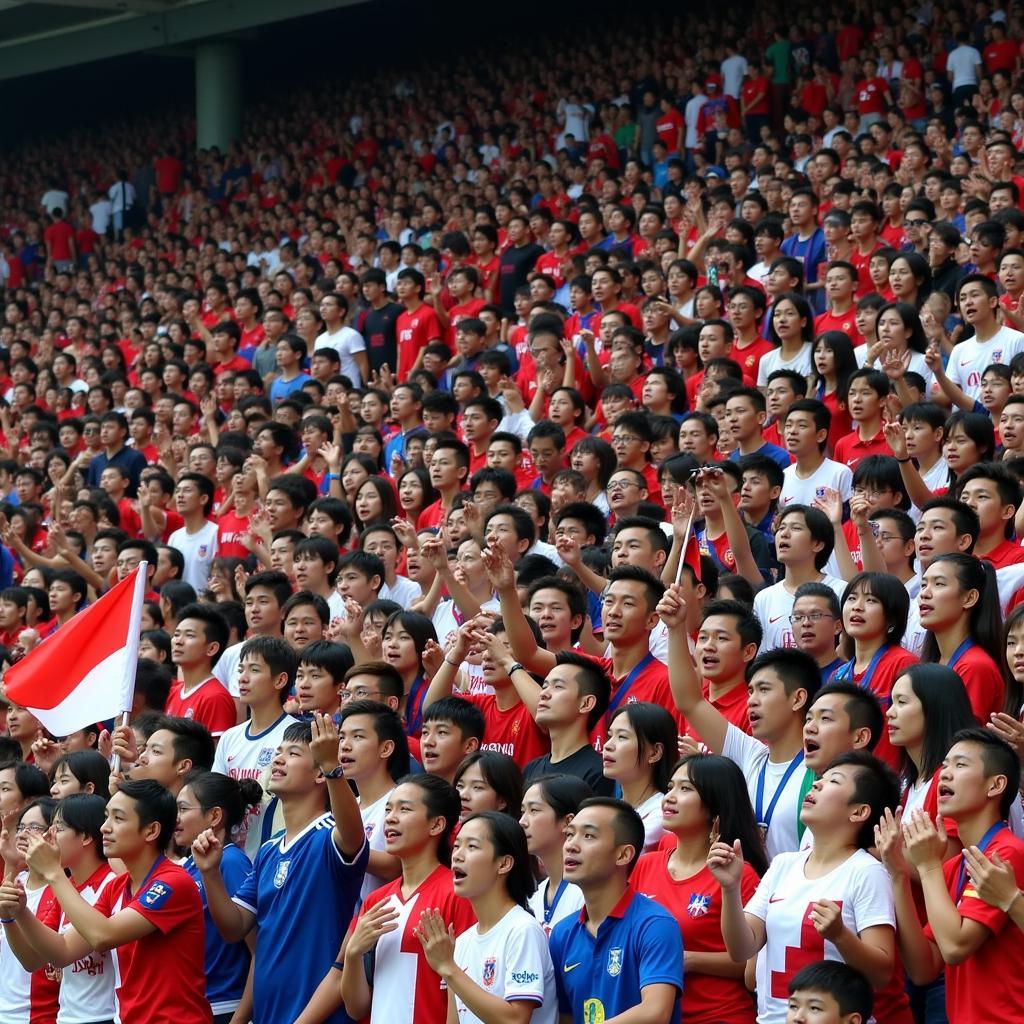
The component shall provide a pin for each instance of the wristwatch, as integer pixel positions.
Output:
(335, 773)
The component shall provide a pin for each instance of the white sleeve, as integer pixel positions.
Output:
(356, 342)
(527, 960)
(845, 483)
(220, 761)
(762, 372)
(759, 599)
(743, 750)
(953, 367)
(518, 423)
(871, 892)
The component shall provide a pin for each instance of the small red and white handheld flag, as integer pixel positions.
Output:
(84, 672)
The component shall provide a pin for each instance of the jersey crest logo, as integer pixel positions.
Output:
(203, 548)
(489, 972)
(614, 961)
(156, 895)
(266, 755)
(281, 874)
(699, 904)
(997, 355)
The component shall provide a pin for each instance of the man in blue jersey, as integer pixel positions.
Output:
(623, 950)
(305, 882)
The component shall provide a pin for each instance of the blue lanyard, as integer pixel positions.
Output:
(764, 818)
(149, 875)
(961, 878)
(960, 652)
(413, 708)
(549, 912)
(865, 684)
(627, 683)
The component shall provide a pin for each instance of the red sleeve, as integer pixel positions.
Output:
(460, 913)
(168, 902)
(215, 708)
(973, 908)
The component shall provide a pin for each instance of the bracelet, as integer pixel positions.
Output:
(450, 662)
(901, 461)
(11, 920)
(332, 476)
(517, 666)
(1009, 906)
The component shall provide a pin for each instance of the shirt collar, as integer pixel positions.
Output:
(620, 908)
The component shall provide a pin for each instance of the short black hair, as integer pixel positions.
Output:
(592, 680)
(862, 708)
(463, 714)
(152, 803)
(998, 758)
(628, 825)
(215, 628)
(845, 984)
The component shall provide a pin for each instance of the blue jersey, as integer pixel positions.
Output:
(599, 977)
(303, 894)
(227, 963)
(778, 455)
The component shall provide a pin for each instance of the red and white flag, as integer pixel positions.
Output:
(84, 672)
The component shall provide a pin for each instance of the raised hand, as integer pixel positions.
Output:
(925, 841)
(895, 363)
(43, 857)
(324, 743)
(725, 862)
(432, 656)
(123, 745)
(12, 898)
(994, 880)
(672, 607)
(1007, 728)
(437, 940)
(831, 503)
(372, 924)
(331, 454)
(896, 438)
(827, 918)
(207, 851)
(498, 565)
(889, 843)
(406, 533)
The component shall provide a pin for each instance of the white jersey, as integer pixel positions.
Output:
(447, 620)
(773, 607)
(404, 592)
(346, 342)
(650, 815)
(15, 981)
(773, 361)
(373, 826)
(510, 961)
(226, 669)
(569, 904)
(783, 900)
(797, 490)
(913, 637)
(751, 756)
(936, 479)
(243, 754)
(970, 358)
(198, 549)
(87, 985)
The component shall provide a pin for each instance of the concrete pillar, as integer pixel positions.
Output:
(218, 94)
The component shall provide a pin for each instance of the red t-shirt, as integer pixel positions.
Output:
(756, 85)
(466, 309)
(983, 682)
(415, 331)
(851, 449)
(696, 904)
(58, 237)
(402, 974)
(161, 978)
(892, 664)
(1001, 56)
(845, 322)
(667, 126)
(1006, 553)
(513, 732)
(231, 527)
(862, 262)
(871, 95)
(750, 357)
(649, 684)
(732, 706)
(985, 987)
(209, 703)
(432, 515)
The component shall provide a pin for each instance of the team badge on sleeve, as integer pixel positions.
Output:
(156, 896)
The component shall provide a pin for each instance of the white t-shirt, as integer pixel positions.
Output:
(774, 605)
(15, 981)
(226, 669)
(199, 549)
(101, 212)
(733, 70)
(569, 904)
(345, 341)
(510, 961)
(405, 591)
(913, 638)
(968, 360)
(243, 754)
(87, 986)
(783, 900)
(963, 63)
(937, 478)
(751, 756)
(650, 815)
(803, 490)
(773, 361)
(373, 825)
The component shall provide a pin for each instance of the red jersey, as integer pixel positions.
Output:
(209, 703)
(845, 322)
(432, 515)
(975, 987)
(1004, 554)
(731, 705)
(551, 264)
(668, 126)
(512, 732)
(404, 984)
(862, 261)
(982, 680)
(231, 528)
(470, 308)
(161, 978)
(849, 450)
(871, 95)
(696, 904)
(414, 331)
(749, 357)
(841, 423)
(646, 681)
(58, 237)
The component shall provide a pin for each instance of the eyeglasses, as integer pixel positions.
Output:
(799, 617)
(360, 694)
(916, 223)
(861, 492)
(34, 829)
(621, 485)
(624, 439)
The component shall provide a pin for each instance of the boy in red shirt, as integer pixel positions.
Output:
(865, 218)
(417, 326)
(200, 638)
(866, 391)
(971, 939)
(151, 916)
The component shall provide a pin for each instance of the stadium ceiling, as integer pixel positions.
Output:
(40, 35)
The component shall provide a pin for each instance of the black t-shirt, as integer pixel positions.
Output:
(585, 764)
(514, 266)
(380, 337)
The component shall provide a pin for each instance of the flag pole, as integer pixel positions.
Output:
(135, 628)
(686, 542)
